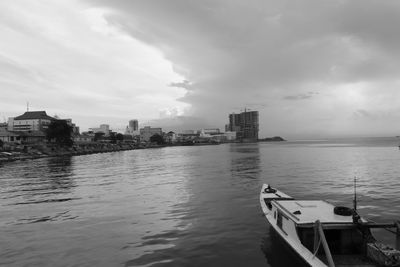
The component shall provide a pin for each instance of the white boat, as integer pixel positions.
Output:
(324, 235)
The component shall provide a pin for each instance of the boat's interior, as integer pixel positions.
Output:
(345, 244)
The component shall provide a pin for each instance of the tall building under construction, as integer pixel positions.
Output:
(245, 125)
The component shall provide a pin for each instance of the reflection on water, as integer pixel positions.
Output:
(50, 176)
(178, 206)
(36, 182)
(245, 161)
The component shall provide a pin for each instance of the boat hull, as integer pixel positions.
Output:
(281, 254)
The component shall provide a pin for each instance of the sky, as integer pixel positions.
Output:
(312, 68)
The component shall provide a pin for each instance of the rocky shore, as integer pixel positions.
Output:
(52, 151)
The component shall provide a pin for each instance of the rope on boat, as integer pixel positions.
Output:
(318, 226)
(316, 248)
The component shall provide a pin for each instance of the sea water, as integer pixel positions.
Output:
(183, 206)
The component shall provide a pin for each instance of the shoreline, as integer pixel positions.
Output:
(60, 152)
(88, 149)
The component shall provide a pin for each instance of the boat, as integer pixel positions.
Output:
(322, 234)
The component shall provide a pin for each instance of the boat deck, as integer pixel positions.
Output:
(308, 211)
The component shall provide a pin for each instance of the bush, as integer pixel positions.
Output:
(156, 138)
(61, 132)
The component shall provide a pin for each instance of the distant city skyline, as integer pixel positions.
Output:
(313, 69)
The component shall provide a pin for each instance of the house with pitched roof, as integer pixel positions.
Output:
(30, 121)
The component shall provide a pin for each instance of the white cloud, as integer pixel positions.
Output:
(64, 57)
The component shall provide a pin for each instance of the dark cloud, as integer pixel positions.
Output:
(238, 52)
(300, 96)
(362, 113)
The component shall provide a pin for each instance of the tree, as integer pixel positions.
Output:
(61, 132)
(112, 138)
(98, 136)
(156, 138)
(119, 136)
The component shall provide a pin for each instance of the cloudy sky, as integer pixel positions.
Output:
(312, 68)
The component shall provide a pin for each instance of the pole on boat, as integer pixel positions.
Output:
(325, 244)
(316, 241)
(355, 195)
(397, 223)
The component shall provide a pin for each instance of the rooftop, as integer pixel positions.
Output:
(34, 115)
(312, 210)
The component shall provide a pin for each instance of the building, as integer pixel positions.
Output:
(245, 125)
(3, 126)
(188, 132)
(30, 121)
(9, 136)
(132, 128)
(83, 138)
(147, 132)
(104, 128)
(230, 136)
(170, 137)
(211, 131)
(134, 125)
(22, 137)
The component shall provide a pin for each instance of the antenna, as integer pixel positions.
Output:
(355, 194)
(27, 106)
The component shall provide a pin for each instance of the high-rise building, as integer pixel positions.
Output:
(245, 125)
(132, 128)
(134, 125)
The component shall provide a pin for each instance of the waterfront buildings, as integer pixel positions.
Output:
(30, 128)
(83, 138)
(245, 124)
(147, 132)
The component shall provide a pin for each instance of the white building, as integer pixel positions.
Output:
(83, 138)
(104, 128)
(147, 132)
(230, 136)
(211, 131)
(30, 121)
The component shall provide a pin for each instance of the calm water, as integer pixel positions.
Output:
(182, 206)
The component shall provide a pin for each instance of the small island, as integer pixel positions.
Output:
(272, 139)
